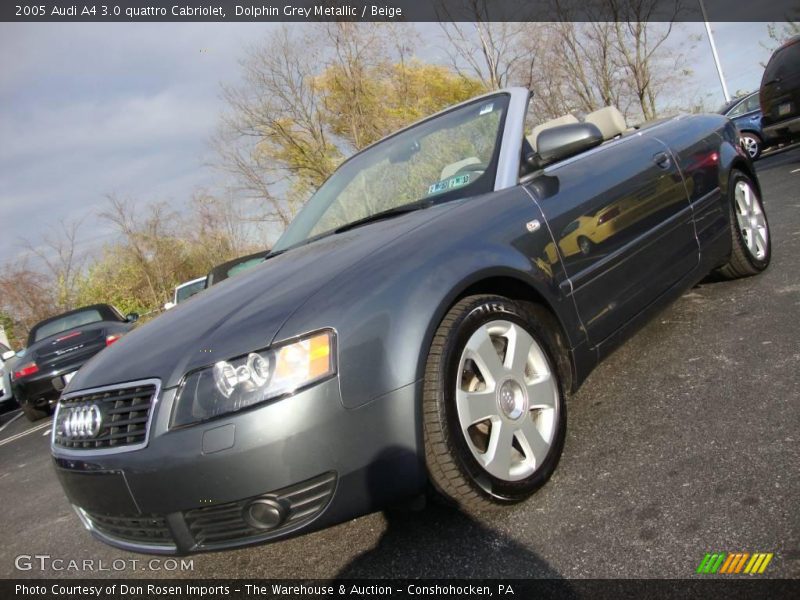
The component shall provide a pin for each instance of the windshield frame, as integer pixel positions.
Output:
(492, 173)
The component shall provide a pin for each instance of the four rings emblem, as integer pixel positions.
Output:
(82, 421)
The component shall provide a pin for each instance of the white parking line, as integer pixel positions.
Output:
(19, 414)
(47, 431)
(795, 171)
(22, 434)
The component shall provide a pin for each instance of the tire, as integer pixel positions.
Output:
(32, 413)
(751, 242)
(465, 461)
(752, 144)
(585, 245)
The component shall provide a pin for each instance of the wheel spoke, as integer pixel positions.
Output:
(519, 347)
(475, 406)
(751, 241)
(497, 459)
(741, 202)
(532, 442)
(743, 221)
(761, 240)
(747, 195)
(541, 393)
(481, 350)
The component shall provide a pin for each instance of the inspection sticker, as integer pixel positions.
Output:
(486, 108)
(449, 184)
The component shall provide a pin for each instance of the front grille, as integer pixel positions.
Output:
(148, 529)
(125, 414)
(211, 525)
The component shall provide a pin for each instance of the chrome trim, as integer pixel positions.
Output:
(60, 451)
(166, 548)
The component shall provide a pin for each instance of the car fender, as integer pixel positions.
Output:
(386, 309)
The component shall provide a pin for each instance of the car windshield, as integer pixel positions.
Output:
(453, 155)
(187, 291)
(67, 322)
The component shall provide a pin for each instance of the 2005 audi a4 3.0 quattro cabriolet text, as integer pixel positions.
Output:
(420, 323)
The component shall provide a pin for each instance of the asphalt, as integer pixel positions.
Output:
(685, 441)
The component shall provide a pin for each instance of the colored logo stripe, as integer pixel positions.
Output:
(735, 562)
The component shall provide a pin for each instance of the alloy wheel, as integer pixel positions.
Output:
(506, 400)
(751, 220)
(751, 146)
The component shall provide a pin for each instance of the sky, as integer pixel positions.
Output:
(90, 109)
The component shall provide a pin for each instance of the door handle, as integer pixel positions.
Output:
(662, 160)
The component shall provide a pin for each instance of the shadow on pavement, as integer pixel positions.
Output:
(441, 542)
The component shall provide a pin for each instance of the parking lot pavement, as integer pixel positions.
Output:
(685, 441)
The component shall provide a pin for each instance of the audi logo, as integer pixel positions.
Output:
(82, 422)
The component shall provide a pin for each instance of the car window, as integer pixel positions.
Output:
(67, 322)
(187, 291)
(449, 156)
(737, 110)
(752, 104)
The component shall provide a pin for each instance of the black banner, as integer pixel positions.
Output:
(398, 10)
(541, 589)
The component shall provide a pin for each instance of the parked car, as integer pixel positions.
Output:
(6, 363)
(233, 267)
(59, 346)
(407, 328)
(745, 112)
(780, 93)
(185, 291)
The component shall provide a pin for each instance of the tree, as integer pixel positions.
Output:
(308, 100)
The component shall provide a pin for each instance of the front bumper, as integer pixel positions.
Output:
(190, 489)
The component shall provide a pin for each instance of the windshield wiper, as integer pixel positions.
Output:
(378, 216)
(385, 214)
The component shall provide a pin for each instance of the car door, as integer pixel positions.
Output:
(622, 225)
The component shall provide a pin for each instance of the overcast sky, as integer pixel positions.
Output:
(88, 109)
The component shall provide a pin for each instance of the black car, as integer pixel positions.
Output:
(780, 93)
(422, 321)
(59, 346)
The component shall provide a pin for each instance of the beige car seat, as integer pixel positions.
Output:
(564, 120)
(609, 120)
(453, 168)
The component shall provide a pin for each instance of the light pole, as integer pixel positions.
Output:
(714, 52)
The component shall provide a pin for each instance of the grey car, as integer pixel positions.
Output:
(419, 326)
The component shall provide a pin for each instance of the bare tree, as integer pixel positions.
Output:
(63, 263)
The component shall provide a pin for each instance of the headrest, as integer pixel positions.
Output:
(565, 120)
(609, 120)
(453, 168)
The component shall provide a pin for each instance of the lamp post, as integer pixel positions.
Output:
(714, 52)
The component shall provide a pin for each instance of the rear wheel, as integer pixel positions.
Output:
(32, 413)
(494, 411)
(750, 238)
(752, 144)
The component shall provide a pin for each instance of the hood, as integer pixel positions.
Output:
(243, 313)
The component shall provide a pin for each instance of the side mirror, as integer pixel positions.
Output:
(132, 317)
(168, 305)
(563, 141)
(7, 354)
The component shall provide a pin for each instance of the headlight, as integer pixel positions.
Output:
(231, 385)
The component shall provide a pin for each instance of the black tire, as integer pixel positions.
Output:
(585, 245)
(754, 145)
(742, 262)
(454, 471)
(32, 413)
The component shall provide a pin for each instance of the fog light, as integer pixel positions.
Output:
(264, 513)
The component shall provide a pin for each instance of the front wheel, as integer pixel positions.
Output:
(493, 403)
(751, 243)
